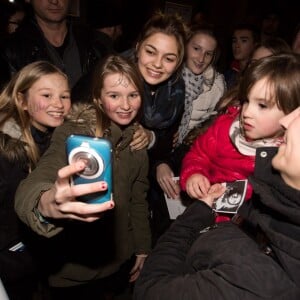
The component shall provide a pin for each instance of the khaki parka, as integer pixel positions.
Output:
(77, 252)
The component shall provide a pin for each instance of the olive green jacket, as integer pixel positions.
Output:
(78, 252)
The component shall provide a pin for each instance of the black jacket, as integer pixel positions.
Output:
(14, 265)
(227, 261)
(28, 45)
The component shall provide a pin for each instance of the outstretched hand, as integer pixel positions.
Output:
(214, 192)
(197, 186)
(60, 201)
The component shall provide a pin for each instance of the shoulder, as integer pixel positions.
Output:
(11, 145)
(230, 115)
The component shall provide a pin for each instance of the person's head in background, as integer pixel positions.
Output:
(201, 49)
(160, 47)
(106, 18)
(11, 16)
(244, 39)
(270, 46)
(270, 24)
(199, 15)
(269, 89)
(50, 12)
(39, 96)
(116, 91)
(296, 40)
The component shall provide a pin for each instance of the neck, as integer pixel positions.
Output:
(243, 64)
(292, 182)
(55, 33)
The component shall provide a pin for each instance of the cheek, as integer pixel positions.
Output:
(136, 104)
(170, 68)
(109, 107)
(37, 107)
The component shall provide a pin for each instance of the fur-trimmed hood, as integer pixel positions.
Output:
(12, 146)
(84, 114)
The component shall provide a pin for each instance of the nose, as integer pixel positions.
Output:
(246, 110)
(157, 62)
(125, 105)
(57, 102)
(202, 57)
(288, 119)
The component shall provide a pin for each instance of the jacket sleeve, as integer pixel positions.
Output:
(201, 155)
(42, 179)
(221, 264)
(165, 272)
(139, 208)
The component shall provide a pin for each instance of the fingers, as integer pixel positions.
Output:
(69, 170)
(85, 212)
(140, 139)
(136, 270)
(197, 186)
(216, 190)
(170, 187)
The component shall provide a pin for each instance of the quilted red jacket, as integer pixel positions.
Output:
(215, 156)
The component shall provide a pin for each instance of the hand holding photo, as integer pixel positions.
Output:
(232, 198)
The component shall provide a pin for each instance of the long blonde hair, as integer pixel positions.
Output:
(11, 104)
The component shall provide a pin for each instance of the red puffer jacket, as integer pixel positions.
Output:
(216, 157)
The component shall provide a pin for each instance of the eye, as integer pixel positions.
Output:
(209, 54)
(113, 96)
(262, 105)
(150, 52)
(46, 95)
(134, 95)
(65, 97)
(170, 59)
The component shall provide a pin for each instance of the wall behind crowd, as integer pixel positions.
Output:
(223, 14)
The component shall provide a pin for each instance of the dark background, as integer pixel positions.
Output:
(224, 14)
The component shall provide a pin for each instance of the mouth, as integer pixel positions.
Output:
(124, 115)
(198, 65)
(154, 74)
(247, 126)
(56, 115)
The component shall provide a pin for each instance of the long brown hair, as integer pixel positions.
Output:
(169, 24)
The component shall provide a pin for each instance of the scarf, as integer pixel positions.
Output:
(193, 88)
(248, 147)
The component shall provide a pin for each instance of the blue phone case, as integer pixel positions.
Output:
(97, 152)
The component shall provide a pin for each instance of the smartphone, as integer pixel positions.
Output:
(97, 154)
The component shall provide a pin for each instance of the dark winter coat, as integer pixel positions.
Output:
(83, 47)
(14, 265)
(227, 261)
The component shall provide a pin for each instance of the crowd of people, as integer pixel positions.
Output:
(167, 111)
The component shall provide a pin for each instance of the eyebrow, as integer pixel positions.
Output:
(154, 48)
